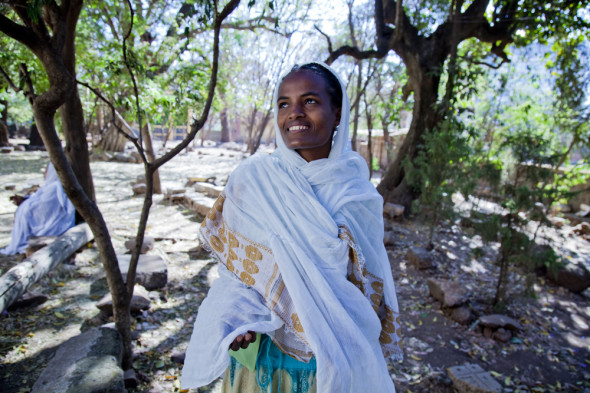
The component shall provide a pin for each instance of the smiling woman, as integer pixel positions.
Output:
(307, 117)
(305, 287)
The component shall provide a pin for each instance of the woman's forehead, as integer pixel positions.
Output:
(302, 80)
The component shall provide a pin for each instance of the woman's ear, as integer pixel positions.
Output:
(338, 113)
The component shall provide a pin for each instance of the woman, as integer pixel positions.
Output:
(299, 235)
(48, 212)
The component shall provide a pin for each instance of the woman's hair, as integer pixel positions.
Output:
(332, 83)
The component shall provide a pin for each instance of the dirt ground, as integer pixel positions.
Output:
(550, 354)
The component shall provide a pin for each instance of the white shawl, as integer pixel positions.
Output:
(297, 241)
(48, 212)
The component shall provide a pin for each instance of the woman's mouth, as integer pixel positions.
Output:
(296, 129)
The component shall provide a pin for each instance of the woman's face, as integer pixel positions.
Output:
(306, 117)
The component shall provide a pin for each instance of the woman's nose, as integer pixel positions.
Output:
(296, 111)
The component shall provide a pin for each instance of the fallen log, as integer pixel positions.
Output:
(15, 282)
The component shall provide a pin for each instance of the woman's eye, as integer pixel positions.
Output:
(282, 105)
(310, 101)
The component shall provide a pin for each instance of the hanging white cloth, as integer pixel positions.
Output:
(302, 259)
(48, 212)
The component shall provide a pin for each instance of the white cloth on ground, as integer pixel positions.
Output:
(48, 212)
(295, 209)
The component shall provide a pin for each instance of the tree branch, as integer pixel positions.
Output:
(9, 80)
(18, 32)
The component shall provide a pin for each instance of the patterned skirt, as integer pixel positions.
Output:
(275, 372)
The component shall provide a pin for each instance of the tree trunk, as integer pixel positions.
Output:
(394, 187)
(261, 128)
(15, 282)
(149, 151)
(355, 120)
(4, 137)
(76, 149)
(251, 122)
(224, 125)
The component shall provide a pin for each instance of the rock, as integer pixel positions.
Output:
(461, 315)
(558, 222)
(89, 362)
(136, 157)
(198, 252)
(471, 378)
(123, 157)
(420, 258)
(208, 189)
(38, 242)
(449, 293)
(388, 238)
(178, 357)
(581, 229)
(392, 210)
(192, 180)
(148, 244)
(6, 149)
(168, 194)
(30, 298)
(19, 148)
(152, 272)
(502, 335)
(573, 276)
(198, 203)
(10, 186)
(139, 189)
(140, 301)
(130, 379)
(495, 321)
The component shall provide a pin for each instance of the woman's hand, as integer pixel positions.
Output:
(242, 341)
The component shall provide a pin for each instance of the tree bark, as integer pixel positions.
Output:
(15, 282)
(224, 125)
(149, 151)
(4, 137)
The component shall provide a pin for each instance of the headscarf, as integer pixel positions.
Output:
(302, 238)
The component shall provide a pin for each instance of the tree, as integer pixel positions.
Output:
(48, 29)
(426, 40)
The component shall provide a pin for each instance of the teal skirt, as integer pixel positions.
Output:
(275, 372)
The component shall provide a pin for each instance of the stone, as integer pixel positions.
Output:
(461, 315)
(198, 203)
(495, 321)
(388, 238)
(198, 252)
(471, 378)
(140, 301)
(6, 149)
(573, 276)
(420, 258)
(10, 186)
(89, 363)
(139, 189)
(148, 244)
(393, 210)
(502, 335)
(137, 157)
(208, 189)
(449, 293)
(19, 148)
(123, 157)
(38, 242)
(178, 357)
(151, 273)
(192, 180)
(169, 193)
(581, 229)
(130, 379)
(29, 299)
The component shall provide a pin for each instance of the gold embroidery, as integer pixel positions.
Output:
(247, 279)
(296, 323)
(250, 266)
(216, 244)
(253, 253)
(233, 242)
